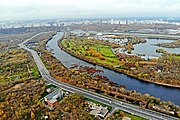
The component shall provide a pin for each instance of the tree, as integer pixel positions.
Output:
(121, 114)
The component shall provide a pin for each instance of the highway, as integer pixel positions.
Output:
(144, 35)
(98, 97)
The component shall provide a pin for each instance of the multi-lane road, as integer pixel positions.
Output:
(98, 97)
(145, 35)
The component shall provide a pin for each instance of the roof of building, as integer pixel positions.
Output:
(98, 110)
(53, 100)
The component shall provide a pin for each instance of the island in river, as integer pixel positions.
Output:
(163, 70)
(135, 89)
(175, 44)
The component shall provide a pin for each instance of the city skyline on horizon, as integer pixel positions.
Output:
(46, 9)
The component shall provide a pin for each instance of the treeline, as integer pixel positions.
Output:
(153, 70)
(142, 71)
(175, 44)
(21, 89)
(97, 84)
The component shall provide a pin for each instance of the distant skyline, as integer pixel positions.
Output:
(50, 9)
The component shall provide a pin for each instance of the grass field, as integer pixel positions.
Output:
(105, 50)
(178, 57)
(134, 117)
(109, 61)
(130, 115)
(80, 47)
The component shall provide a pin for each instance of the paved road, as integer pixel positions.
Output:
(103, 99)
(145, 35)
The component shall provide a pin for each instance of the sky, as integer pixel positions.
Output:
(49, 9)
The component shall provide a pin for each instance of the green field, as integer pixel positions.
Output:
(109, 61)
(133, 117)
(105, 50)
(178, 57)
(80, 47)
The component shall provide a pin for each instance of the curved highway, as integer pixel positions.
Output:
(103, 99)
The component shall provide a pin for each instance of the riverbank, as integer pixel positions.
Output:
(155, 95)
(111, 67)
(175, 44)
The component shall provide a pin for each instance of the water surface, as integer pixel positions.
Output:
(149, 49)
(165, 93)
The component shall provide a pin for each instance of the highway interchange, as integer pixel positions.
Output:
(146, 113)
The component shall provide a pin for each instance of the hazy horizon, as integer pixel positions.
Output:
(46, 9)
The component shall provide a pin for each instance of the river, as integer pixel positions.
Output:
(163, 92)
(149, 49)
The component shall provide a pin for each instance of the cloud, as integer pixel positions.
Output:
(29, 9)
